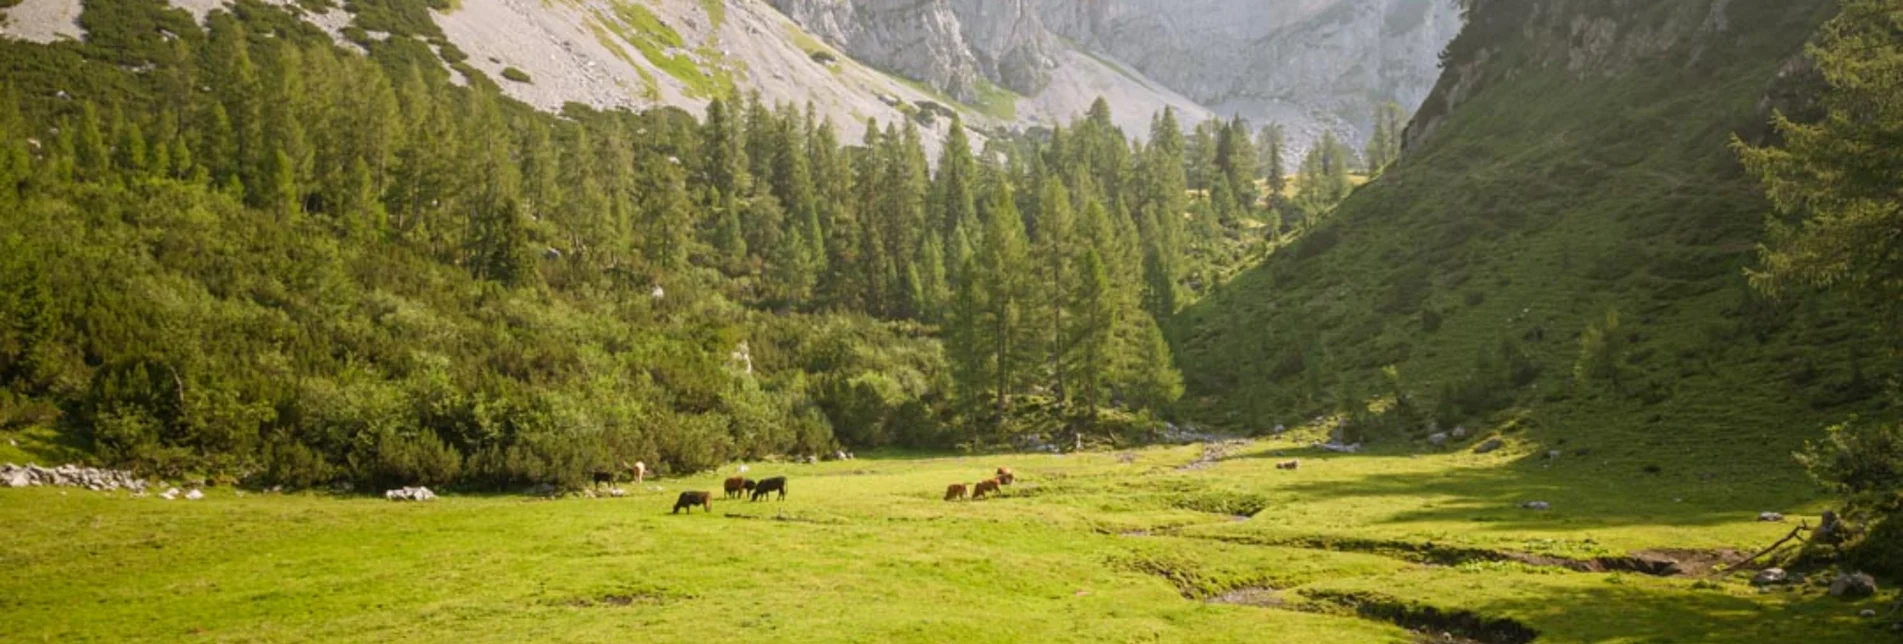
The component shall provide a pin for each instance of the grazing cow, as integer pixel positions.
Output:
(690, 499)
(1005, 477)
(986, 486)
(1289, 465)
(640, 472)
(955, 491)
(769, 486)
(736, 486)
(610, 478)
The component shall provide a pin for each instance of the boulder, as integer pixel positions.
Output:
(1770, 517)
(1537, 505)
(1853, 585)
(1491, 444)
(1552, 454)
(418, 493)
(18, 478)
(194, 495)
(169, 493)
(1436, 439)
(1770, 576)
(1460, 431)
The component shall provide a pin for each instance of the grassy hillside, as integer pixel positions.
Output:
(1579, 180)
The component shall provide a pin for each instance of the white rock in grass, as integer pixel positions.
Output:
(418, 493)
(1537, 505)
(194, 495)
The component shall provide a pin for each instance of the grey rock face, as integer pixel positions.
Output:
(1009, 42)
(1309, 64)
(918, 40)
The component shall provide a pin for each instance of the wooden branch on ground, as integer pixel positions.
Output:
(1801, 527)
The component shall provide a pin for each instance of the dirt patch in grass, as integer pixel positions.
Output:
(1663, 562)
(1258, 596)
(625, 597)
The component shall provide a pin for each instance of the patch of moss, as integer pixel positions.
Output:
(516, 75)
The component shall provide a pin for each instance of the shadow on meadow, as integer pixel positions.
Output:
(1634, 612)
(1493, 498)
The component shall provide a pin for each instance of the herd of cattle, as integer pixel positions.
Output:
(739, 486)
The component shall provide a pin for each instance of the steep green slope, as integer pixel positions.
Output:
(1581, 173)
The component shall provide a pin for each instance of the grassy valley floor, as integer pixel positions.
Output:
(1196, 543)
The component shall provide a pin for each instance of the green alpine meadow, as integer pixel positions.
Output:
(1412, 321)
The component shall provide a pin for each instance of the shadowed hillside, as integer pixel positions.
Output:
(1561, 252)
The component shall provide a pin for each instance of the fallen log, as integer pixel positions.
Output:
(1719, 569)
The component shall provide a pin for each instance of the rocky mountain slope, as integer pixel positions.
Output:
(1309, 64)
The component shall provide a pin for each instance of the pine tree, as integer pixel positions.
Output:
(15, 159)
(723, 152)
(667, 217)
(952, 200)
(1384, 147)
(1090, 333)
(1152, 379)
(934, 284)
(729, 241)
(1235, 160)
(1055, 254)
(876, 244)
(92, 160)
(840, 286)
(1002, 269)
(1271, 144)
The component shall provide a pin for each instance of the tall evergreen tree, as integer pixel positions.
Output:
(1272, 144)
(1055, 254)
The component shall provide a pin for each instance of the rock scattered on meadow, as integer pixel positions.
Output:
(1771, 517)
(1853, 585)
(1537, 505)
(1769, 576)
(1489, 445)
(96, 479)
(418, 493)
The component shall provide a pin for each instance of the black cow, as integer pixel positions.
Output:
(769, 486)
(690, 499)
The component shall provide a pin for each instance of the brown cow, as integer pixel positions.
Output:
(1005, 477)
(735, 486)
(988, 485)
(690, 499)
(955, 491)
(1289, 465)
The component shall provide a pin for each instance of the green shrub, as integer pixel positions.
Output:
(516, 75)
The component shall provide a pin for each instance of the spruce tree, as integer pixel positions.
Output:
(1055, 254)
(1271, 145)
